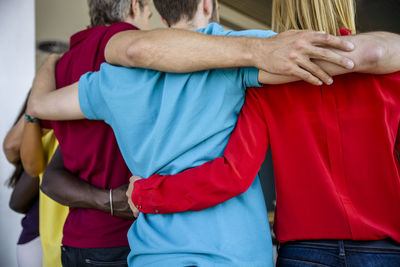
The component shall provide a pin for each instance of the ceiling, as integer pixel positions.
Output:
(372, 15)
(257, 10)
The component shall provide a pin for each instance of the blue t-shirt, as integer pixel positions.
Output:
(165, 123)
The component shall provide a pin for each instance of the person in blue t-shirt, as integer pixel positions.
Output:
(165, 123)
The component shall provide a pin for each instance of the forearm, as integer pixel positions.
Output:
(385, 52)
(213, 182)
(374, 53)
(69, 190)
(72, 191)
(174, 50)
(24, 193)
(32, 155)
(12, 142)
(44, 83)
(45, 102)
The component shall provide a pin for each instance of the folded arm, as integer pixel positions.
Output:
(213, 182)
(70, 190)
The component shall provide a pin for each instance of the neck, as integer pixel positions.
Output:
(187, 25)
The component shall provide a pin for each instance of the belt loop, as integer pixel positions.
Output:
(341, 248)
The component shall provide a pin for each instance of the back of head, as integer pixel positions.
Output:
(175, 10)
(103, 12)
(318, 15)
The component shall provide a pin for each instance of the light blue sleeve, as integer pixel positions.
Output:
(243, 77)
(91, 100)
(216, 29)
(250, 33)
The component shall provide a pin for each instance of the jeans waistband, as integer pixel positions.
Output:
(384, 244)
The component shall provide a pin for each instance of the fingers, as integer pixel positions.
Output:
(316, 72)
(306, 76)
(323, 39)
(134, 178)
(330, 56)
(136, 213)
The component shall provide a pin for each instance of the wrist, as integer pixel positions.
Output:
(30, 119)
(254, 47)
(101, 198)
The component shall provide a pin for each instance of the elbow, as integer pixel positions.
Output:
(51, 189)
(373, 56)
(45, 186)
(33, 168)
(11, 150)
(135, 53)
(15, 206)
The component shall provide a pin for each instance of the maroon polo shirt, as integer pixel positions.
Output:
(89, 148)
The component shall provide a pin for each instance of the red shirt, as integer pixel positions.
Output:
(334, 154)
(89, 148)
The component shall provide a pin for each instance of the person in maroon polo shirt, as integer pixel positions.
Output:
(89, 149)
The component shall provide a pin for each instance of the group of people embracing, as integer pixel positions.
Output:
(171, 126)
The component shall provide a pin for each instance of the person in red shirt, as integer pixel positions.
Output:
(335, 158)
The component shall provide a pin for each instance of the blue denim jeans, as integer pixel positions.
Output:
(77, 257)
(338, 253)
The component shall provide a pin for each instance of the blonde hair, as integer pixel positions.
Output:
(317, 15)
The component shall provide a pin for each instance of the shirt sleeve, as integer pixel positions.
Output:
(216, 181)
(113, 29)
(91, 99)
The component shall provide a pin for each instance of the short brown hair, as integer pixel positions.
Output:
(175, 10)
(103, 12)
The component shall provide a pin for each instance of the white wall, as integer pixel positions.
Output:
(17, 67)
(55, 20)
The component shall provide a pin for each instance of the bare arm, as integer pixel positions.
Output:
(70, 190)
(32, 155)
(12, 142)
(47, 103)
(25, 192)
(375, 53)
(175, 50)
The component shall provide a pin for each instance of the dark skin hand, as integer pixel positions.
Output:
(24, 194)
(69, 190)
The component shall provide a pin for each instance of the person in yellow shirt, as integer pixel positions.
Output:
(37, 149)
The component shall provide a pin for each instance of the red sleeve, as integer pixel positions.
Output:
(216, 181)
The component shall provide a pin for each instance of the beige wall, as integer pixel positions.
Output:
(58, 19)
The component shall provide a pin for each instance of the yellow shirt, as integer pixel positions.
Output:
(51, 214)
